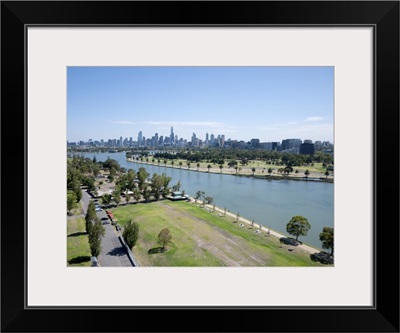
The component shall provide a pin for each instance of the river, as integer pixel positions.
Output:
(271, 203)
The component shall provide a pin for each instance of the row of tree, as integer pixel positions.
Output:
(138, 185)
(223, 155)
(297, 226)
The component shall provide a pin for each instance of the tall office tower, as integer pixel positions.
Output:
(194, 139)
(207, 139)
(172, 137)
(212, 139)
(156, 139)
(102, 142)
(222, 140)
(120, 141)
(140, 138)
(130, 141)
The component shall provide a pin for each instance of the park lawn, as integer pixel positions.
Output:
(78, 250)
(261, 167)
(201, 238)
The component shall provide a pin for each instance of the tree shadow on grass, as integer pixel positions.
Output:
(117, 251)
(156, 250)
(289, 241)
(78, 260)
(322, 257)
(76, 234)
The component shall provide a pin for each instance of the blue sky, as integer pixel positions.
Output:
(268, 103)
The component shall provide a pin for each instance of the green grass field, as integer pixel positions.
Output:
(202, 238)
(78, 250)
(261, 168)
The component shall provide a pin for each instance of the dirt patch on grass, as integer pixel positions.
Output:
(230, 249)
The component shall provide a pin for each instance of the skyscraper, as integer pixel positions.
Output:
(172, 137)
(140, 138)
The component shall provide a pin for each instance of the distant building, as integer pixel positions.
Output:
(307, 148)
(255, 143)
(289, 144)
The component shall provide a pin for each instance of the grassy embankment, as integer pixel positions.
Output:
(201, 238)
(78, 250)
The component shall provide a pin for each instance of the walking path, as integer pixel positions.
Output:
(112, 252)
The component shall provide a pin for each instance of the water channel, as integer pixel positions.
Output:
(271, 203)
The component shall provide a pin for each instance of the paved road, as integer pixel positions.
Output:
(112, 254)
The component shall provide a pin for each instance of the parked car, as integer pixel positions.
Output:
(99, 209)
(94, 262)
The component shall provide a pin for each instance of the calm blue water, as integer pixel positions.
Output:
(271, 203)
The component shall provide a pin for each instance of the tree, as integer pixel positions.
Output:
(253, 170)
(117, 197)
(288, 169)
(269, 171)
(237, 216)
(95, 169)
(106, 199)
(236, 168)
(90, 216)
(137, 195)
(209, 167)
(146, 194)
(220, 167)
(131, 233)
(188, 164)
(326, 237)
(307, 173)
(177, 187)
(180, 164)
(208, 201)
(199, 194)
(198, 166)
(165, 184)
(326, 174)
(127, 197)
(156, 185)
(164, 238)
(71, 201)
(172, 162)
(298, 226)
(96, 233)
(142, 176)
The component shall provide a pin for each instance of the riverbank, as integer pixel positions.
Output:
(267, 231)
(202, 237)
(258, 172)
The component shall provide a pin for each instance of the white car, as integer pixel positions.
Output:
(99, 209)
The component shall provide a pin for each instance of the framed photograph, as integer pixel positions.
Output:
(297, 105)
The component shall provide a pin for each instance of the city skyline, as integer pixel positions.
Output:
(242, 103)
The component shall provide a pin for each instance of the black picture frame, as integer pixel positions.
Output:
(383, 16)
